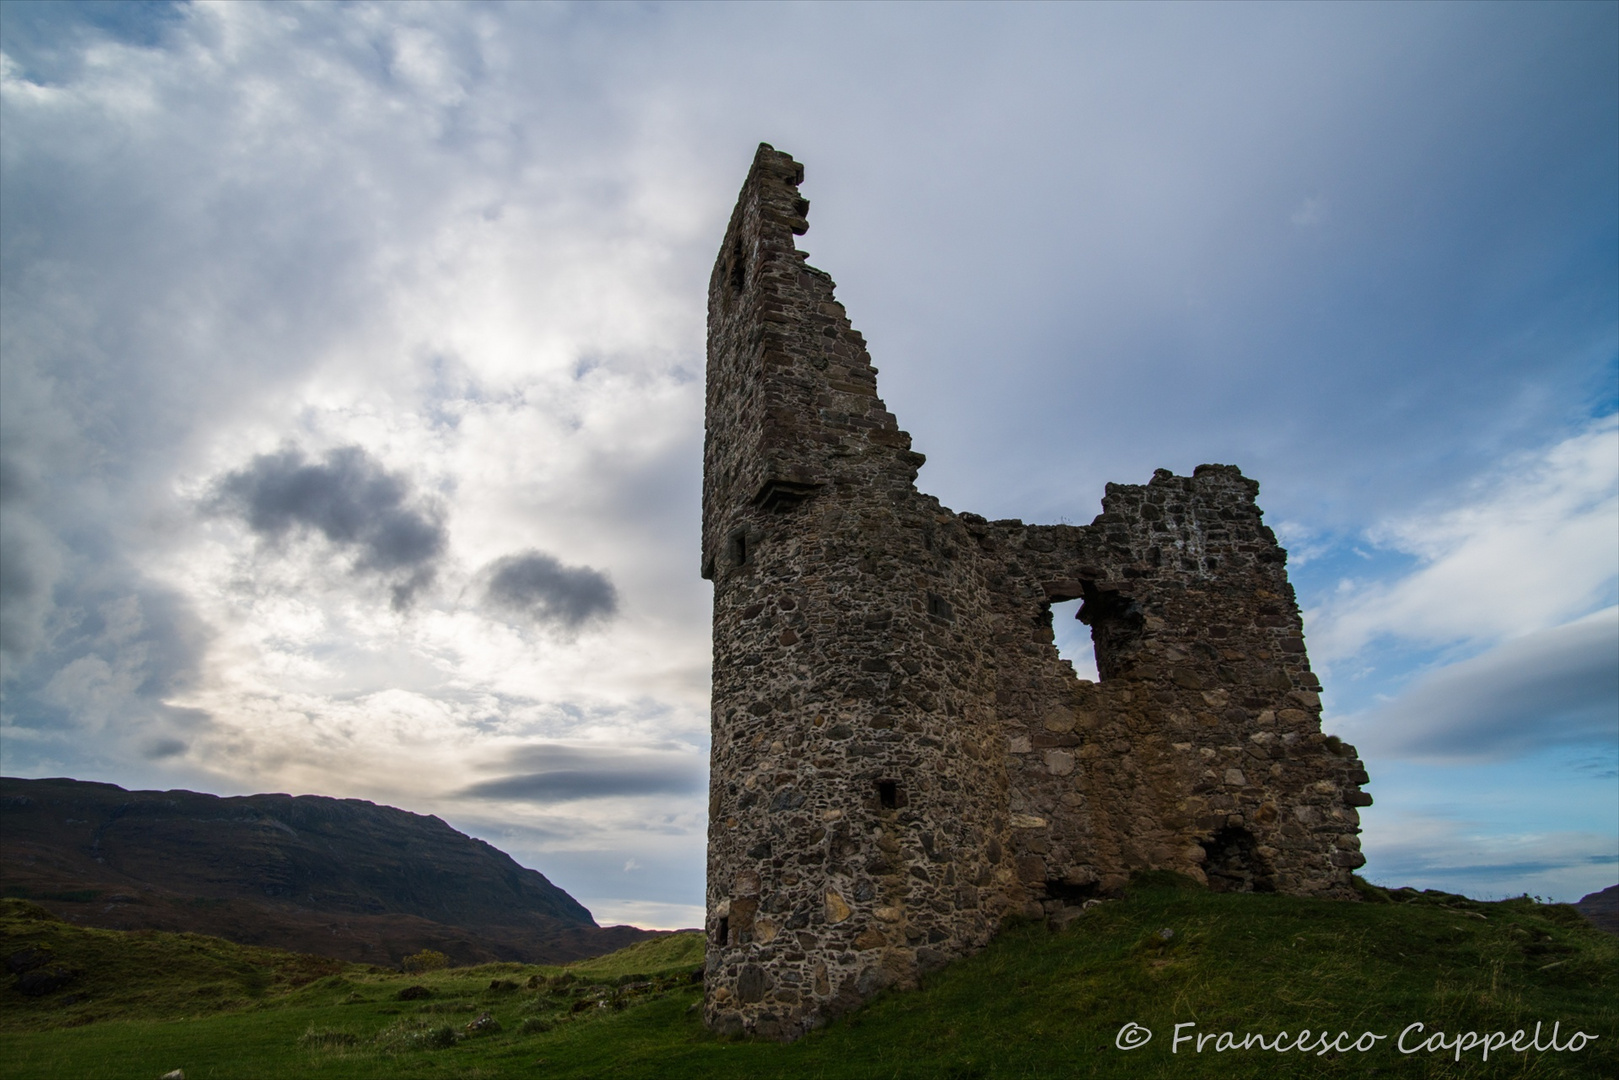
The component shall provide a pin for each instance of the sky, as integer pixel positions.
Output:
(351, 379)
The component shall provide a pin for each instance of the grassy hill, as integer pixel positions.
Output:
(1036, 1003)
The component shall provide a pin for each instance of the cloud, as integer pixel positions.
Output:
(647, 913)
(158, 749)
(1309, 212)
(538, 587)
(579, 772)
(30, 562)
(1554, 687)
(474, 239)
(1426, 851)
(99, 688)
(351, 500)
(1528, 546)
(563, 785)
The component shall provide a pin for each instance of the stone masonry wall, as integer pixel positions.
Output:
(900, 758)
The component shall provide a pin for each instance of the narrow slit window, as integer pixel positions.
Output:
(739, 548)
(888, 794)
(722, 931)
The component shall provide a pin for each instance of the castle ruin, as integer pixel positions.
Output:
(900, 757)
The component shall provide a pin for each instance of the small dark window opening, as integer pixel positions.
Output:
(722, 932)
(940, 608)
(888, 794)
(1233, 863)
(1071, 894)
(739, 548)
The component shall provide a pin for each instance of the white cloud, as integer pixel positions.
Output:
(1309, 212)
(1528, 547)
(1502, 589)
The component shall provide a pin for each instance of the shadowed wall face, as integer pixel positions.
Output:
(900, 758)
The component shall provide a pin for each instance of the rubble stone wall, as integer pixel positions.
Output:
(900, 757)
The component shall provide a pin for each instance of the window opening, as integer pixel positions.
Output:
(940, 608)
(1073, 639)
(739, 548)
(1233, 863)
(1071, 894)
(888, 794)
(722, 931)
(1117, 625)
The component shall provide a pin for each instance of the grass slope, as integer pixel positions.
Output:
(1034, 1004)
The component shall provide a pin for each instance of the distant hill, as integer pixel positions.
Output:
(1602, 908)
(337, 877)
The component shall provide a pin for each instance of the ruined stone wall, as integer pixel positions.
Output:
(854, 774)
(1200, 750)
(900, 758)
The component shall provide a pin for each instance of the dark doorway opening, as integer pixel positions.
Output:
(1233, 863)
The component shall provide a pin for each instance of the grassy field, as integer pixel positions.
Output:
(1034, 1004)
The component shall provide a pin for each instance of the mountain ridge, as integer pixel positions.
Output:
(345, 878)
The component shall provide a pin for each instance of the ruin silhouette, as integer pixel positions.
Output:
(900, 757)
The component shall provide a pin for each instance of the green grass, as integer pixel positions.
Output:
(1034, 1004)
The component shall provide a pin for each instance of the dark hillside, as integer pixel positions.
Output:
(339, 877)
(1602, 908)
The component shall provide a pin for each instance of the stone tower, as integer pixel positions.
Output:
(900, 757)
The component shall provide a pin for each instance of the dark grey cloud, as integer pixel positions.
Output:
(102, 668)
(1557, 687)
(348, 498)
(539, 588)
(28, 562)
(25, 578)
(559, 773)
(158, 749)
